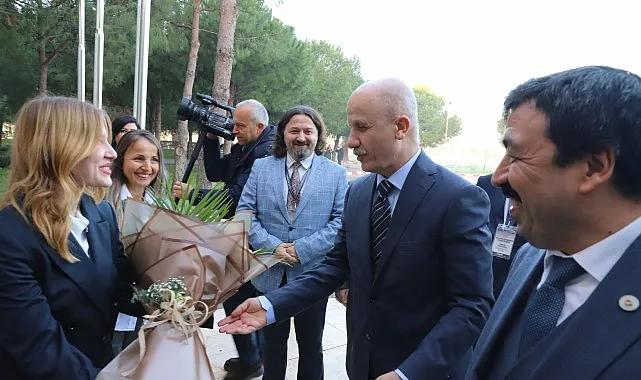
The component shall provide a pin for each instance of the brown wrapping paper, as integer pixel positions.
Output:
(214, 260)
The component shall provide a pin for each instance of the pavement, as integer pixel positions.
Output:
(220, 347)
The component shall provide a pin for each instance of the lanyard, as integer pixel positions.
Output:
(507, 217)
(295, 192)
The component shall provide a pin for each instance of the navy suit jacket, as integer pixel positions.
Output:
(599, 341)
(423, 306)
(57, 317)
(500, 266)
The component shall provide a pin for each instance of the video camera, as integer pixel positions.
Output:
(218, 124)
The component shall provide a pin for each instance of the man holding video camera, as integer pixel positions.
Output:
(255, 137)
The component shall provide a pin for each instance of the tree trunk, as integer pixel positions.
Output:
(337, 141)
(44, 68)
(182, 131)
(225, 55)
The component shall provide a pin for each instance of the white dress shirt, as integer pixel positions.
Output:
(398, 180)
(79, 225)
(125, 193)
(597, 260)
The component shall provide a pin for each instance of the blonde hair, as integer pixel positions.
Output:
(53, 134)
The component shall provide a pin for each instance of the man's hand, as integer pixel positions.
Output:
(341, 296)
(283, 255)
(389, 376)
(248, 317)
(291, 250)
(179, 188)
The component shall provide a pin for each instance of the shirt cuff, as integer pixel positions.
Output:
(269, 308)
(400, 374)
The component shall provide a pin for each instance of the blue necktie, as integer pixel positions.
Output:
(381, 216)
(545, 306)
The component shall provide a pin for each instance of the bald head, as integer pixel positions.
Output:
(393, 97)
(383, 125)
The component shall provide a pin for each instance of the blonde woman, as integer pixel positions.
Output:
(62, 271)
(137, 172)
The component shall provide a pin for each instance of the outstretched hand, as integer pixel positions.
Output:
(248, 317)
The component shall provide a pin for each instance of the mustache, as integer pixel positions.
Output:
(359, 151)
(509, 192)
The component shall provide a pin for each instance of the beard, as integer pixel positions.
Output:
(300, 152)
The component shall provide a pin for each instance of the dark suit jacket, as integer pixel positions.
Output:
(599, 341)
(57, 317)
(500, 266)
(234, 168)
(424, 305)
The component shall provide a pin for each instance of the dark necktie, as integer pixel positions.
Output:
(293, 193)
(381, 216)
(544, 309)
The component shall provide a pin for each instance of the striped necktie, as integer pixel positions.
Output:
(381, 215)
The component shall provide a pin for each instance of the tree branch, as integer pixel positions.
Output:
(62, 46)
(188, 26)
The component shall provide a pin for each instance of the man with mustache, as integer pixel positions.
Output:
(505, 239)
(296, 199)
(570, 306)
(414, 245)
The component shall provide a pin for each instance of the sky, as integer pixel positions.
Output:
(471, 53)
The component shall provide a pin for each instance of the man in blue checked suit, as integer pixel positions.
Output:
(414, 245)
(296, 197)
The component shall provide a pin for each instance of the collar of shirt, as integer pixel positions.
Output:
(305, 163)
(79, 225)
(398, 178)
(125, 193)
(599, 258)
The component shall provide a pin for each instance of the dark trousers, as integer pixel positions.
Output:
(248, 346)
(309, 326)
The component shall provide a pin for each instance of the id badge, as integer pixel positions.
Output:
(503, 241)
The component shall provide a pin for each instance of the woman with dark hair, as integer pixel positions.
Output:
(122, 125)
(137, 173)
(63, 275)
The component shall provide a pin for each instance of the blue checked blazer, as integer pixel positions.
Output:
(315, 224)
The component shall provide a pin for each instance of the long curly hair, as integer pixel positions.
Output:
(53, 134)
(279, 148)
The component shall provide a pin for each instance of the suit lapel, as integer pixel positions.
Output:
(600, 328)
(84, 274)
(278, 185)
(498, 207)
(419, 180)
(522, 279)
(313, 180)
(360, 200)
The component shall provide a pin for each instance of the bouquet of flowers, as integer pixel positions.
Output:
(186, 267)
